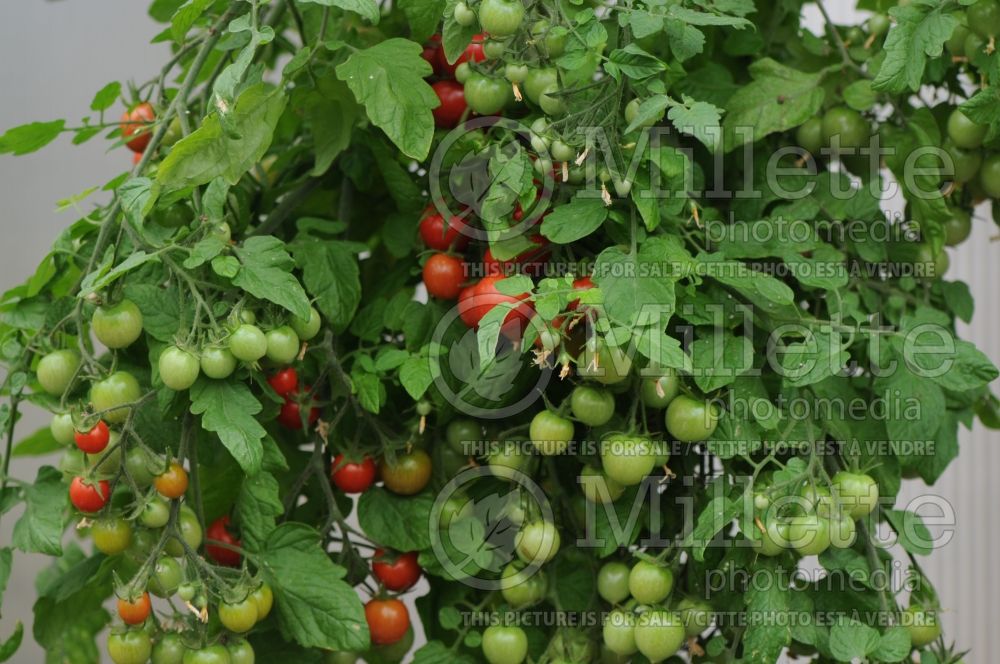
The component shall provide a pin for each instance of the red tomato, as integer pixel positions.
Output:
(530, 262)
(88, 497)
(95, 440)
(452, 97)
(436, 236)
(443, 276)
(430, 53)
(218, 530)
(284, 382)
(399, 574)
(134, 613)
(136, 123)
(290, 416)
(582, 284)
(474, 52)
(476, 301)
(352, 477)
(387, 619)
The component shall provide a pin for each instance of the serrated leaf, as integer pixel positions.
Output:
(398, 522)
(40, 528)
(367, 9)
(265, 273)
(227, 409)
(30, 137)
(574, 220)
(699, 119)
(919, 33)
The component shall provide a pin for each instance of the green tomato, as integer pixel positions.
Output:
(142, 465)
(858, 493)
(178, 368)
(598, 488)
(167, 577)
(984, 18)
(187, 591)
(131, 647)
(965, 163)
(845, 127)
(658, 634)
(239, 616)
(691, 420)
(974, 46)
(217, 362)
(504, 645)
(155, 513)
(562, 152)
(537, 542)
(659, 392)
(307, 329)
(632, 113)
(958, 227)
(516, 72)
(592, 405)
(606, 365)
(963, 132)
(487, 95)
(494, 49)
(240, 652)
(143, 541)
(809, 535)
(537, 81)
(216, 654)
(879, 24)
(627, 458)
(612, 582)
(989, 176)
(191, 533)
(109, 396)
(112, 535)
(619, 633)
(462, 72)
(62, 429)
(519, 589)
(169, 649)
(56, 370)
(501, 18)
(843, 532)
(463, 15)
(924, 626)
(247, 343)
(696, 616)
(340, 658)
(282, 345)
(263, 597)
(117, 326)
(650, 583)
(551, 102)
(508, 458)
(555, 42)
(463, 435)
(550, 433)
(809, 136)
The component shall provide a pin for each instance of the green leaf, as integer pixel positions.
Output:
(639, 286)
(185, 17)
(574, 220)
(331, 275)
(40, 528)
(416, 376)
(227, 409)
(137, 196)
(6, 559)
(780, 98)
(13, 642)
(229, 151)
(203, 252)
(96, 281)
(106, 96)
(423, 17)
(767, 607)
(436, 652)
(694, 17)
(160, 307)
(315, 606)
(38, 443)
(851, 640)
(66, 624)
(454, 37)
(893, 646)
(398, 522)
(367, 9)
(30, 137)
(719, 358)
(719, 513)
(699, 119)
(859, 95)
(913, 534)
(369, 389)
(633, 62)
(258, 506)
(915, 406)
(265, 273)
(967, 368)
(330, 111)
(919, 33)
(388, 79)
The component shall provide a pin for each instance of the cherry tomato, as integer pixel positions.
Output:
(173, 482)
(515, 72)
(135, 123)
(592, 405)
(62, 429)
(924, 626)
(134, 612)
(858, 493)
(627, 458)
(240, 652)
(538, 81)
(218, 530)
(307, 329)
(537, 542)
(550, 433)
(443, 275)
(451, 108)
(691, 420)
(505, 645)
(217, 362)
(129, 647)
(461, 433)
(612, 582)
(56, 370)
(619, 633)
(809, 534)
(117, 326)
(597, 487)
(606, 365)
(112, 535)
(89, 496)
(501, 18)
(351, 477)
(167, 577)
(285, 381)
(487, 95)
(843, 531)
(508, 458)
(216, 654)
(409, 474)
(247, 343)
(964, 132)
(95, 440)
(142, 465)
(178, 368)
(290, 415)
(436, 236)
(519, 589)
(396, 574)
(476, 301)
(696, 616)
(473, 52)
(650, 583)
(658, 634)
(464, 16)
(169, 649)
(430, 52)
(282, 345)
(388, 620)
(239, 616)
(175, 216)
(110, 396)
(264, 598)
(845, 127)
(659, 392)
(809, 136)
(984, 18)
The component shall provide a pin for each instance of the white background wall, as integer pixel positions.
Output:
(55, 55)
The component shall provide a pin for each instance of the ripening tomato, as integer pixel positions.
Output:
(135, 123)
(408, 474)
(133, 612)
(430, 52)
(351, 477)
(218, 530)
(473, 52)
(88, 496)
(239, 616)
(111, 535)
(436, 236)
(443, 275)
(284, 382)
(173, 482)
(95, 440)
(388, 620)
(478, 300)
(396, 574)
(290, 415)
(451, 96)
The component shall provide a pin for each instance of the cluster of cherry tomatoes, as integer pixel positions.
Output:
(453, 107)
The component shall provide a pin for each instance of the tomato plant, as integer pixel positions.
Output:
(571, 305)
